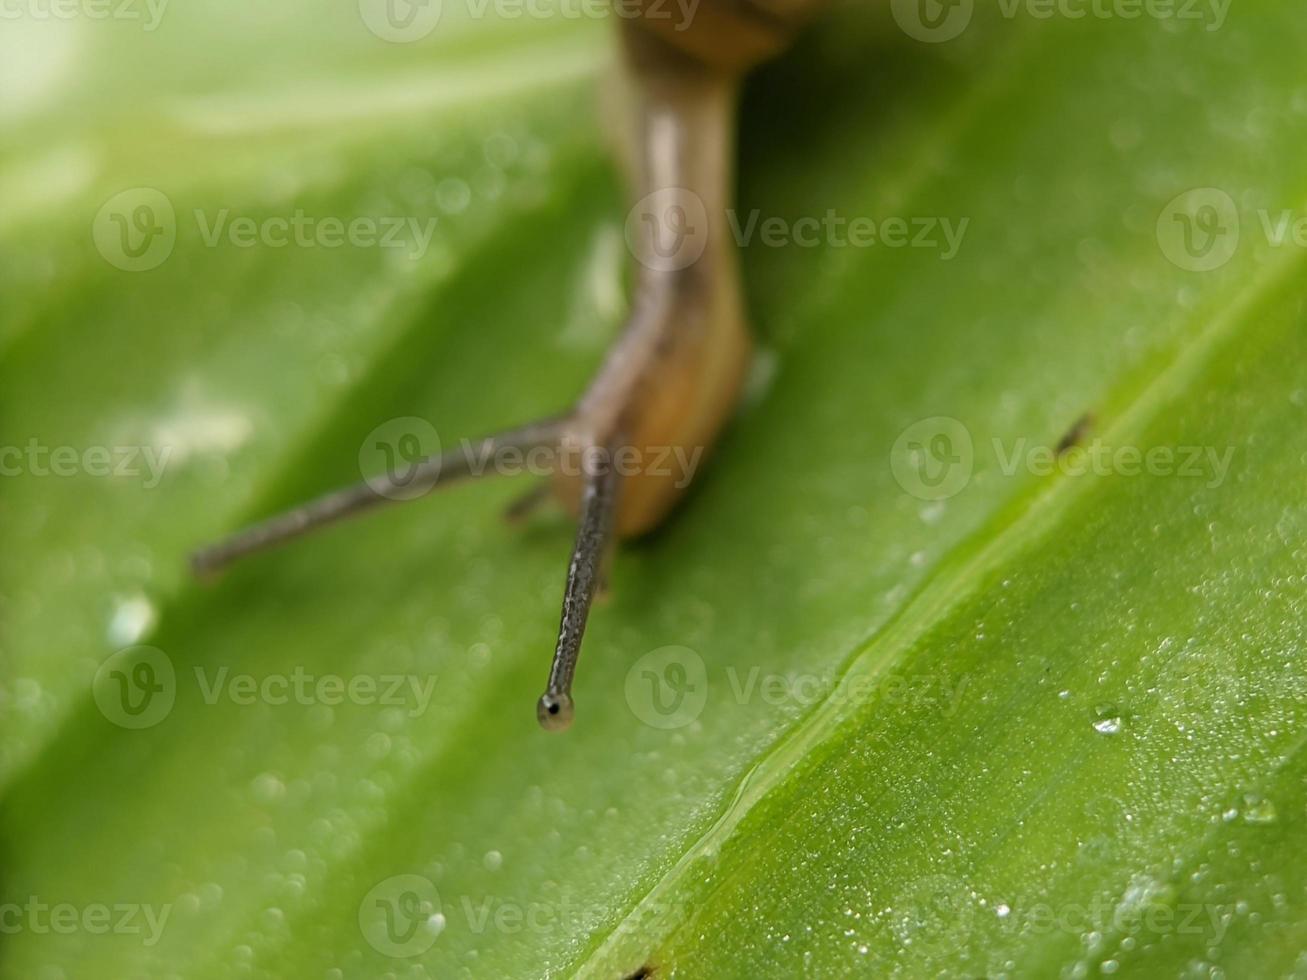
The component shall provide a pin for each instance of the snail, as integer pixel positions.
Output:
(673, 377)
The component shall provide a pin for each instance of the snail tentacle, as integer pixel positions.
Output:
(424, 476)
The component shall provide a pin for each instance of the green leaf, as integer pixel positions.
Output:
(997, 712)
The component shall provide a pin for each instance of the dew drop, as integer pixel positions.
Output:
(1107, 720)
(1259, 811)
(932, 513)
(132, 620)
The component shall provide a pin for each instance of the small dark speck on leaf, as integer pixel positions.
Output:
(644, 973)
(1076, 434)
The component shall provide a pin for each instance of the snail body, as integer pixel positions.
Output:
(670, 382)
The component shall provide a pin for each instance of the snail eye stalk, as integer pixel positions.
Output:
(428, 475)
(585, 573)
